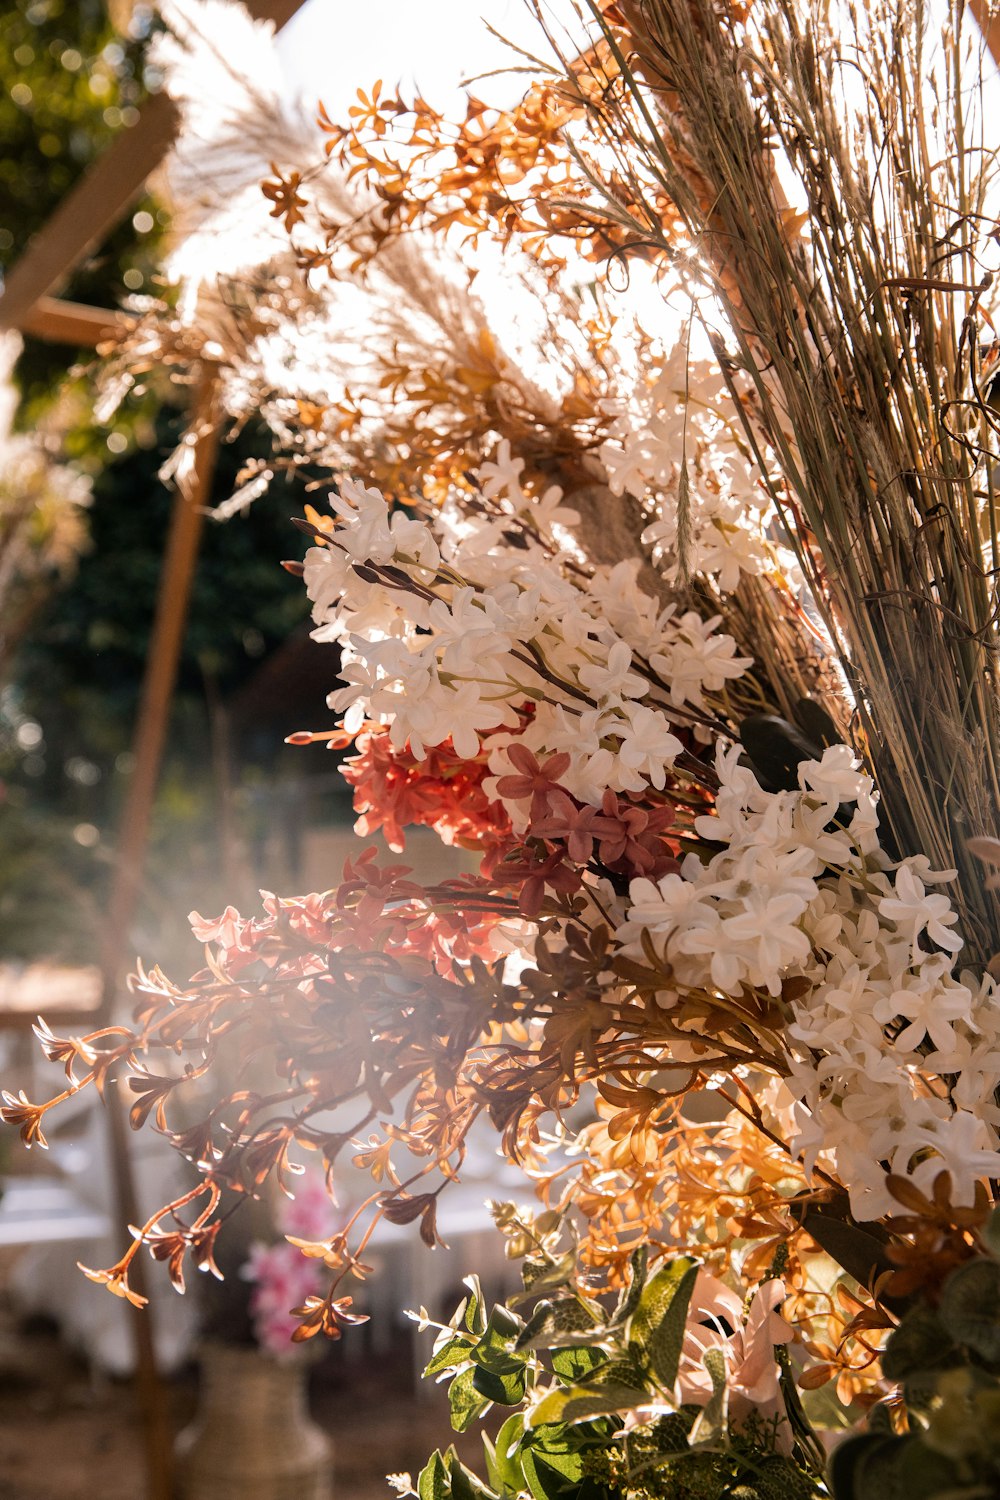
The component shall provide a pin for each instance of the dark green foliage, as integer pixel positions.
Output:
(948, 1363)
(243, 603)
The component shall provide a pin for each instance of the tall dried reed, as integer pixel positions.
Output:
(832, 170)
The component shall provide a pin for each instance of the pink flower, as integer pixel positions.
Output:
(225, 930)
(282, 1276)
(752, 1373)
(309, 1215)
(393, 791)
(633, 840)
(524, 866)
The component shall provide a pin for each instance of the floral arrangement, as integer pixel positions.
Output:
(280, 1276)
(676, 604)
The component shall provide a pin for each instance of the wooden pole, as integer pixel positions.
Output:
(167, 637)
(161, 666)
(80, 223)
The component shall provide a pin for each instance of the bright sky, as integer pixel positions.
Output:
(333, 47)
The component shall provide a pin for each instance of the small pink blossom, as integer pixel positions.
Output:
(225, 930)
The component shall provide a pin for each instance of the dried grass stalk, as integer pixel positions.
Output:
(856, 304)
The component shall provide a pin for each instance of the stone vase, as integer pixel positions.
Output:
(252, 1437)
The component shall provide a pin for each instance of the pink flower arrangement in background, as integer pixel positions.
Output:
(282, 1276)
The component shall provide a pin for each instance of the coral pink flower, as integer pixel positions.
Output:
(394, 791)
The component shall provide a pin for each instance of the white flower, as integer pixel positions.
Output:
(468, 638)
(698, 661)
(914, 912)
(430, 712)
(966, 1149)
(503, 475)
(613, 678)
(836, 776)
(930, 1003)
(758, 943)
(648, 748)
(326, 572)
(660, 908)
(365, 535)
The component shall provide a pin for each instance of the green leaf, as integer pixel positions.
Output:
(551, 1476)
(464, 1484)
(455, 1352)
(970, 1307)
(923, 1473)
(551, 1322)
(859, 1252)
(548, 1276)
(565, 1461)
(917, 1345)
(505, 1390)
(475, 1312)
(492, 1472)
(869, 1468)
(655, 1299)
(626, 1371)
(544, 1485)
(814, 721)
(502, 1457)
(710, 1423)
(535, 1332)
(845, 1464)
(434, 1482)
(632, 1291)
(775, 749)
(495, 1350)
(465, 1400)
(661, 1318)
(580, 1402)
(572, 1364)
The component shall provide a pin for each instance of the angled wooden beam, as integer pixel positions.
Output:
(63, 322)
(90, 210)
(103, 195)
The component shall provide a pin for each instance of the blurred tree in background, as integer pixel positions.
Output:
(70, 711)
(68, 83)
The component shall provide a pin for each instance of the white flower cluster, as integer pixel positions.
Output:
(686, 415)
(893, 1059)
(450, 634)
